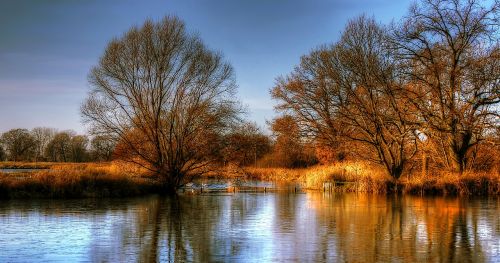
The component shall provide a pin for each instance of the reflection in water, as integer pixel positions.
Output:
(413, 229)
(260, 227)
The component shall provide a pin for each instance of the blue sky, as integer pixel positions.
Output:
(48, 47)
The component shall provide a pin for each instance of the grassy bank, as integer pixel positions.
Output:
(362, 177)
(115, 179)
(470, 183)
(75, 181)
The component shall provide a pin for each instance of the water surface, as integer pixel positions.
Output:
(252, 227)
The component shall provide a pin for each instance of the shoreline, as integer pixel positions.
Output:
(362, 178)
(103, 180)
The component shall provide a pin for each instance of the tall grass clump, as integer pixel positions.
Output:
(276, 174)
(349, 177)
(353, 176)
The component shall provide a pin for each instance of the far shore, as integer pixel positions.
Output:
(116, 179)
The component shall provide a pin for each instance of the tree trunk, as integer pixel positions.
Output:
(168, 188)
(454, 161)
(168, 183)
(457, 152)
(397, 171)
(425, 164)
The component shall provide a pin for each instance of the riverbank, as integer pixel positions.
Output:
(72, 180)
(116, 179)
(361, 177)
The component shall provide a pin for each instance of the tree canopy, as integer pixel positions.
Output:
(166, 97)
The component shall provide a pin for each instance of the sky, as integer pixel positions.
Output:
(47, 47)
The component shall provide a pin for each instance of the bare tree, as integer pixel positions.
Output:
(166, 96)
(79, 151)
(3, 155)
(311, 96)
(290, 148)
(42, 136)
(373, 107)
(59, 149)
(352, 90)
(246, 144)
(102, 147)
(451, 51)
(19, 144)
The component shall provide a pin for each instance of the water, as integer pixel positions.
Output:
(252, 227)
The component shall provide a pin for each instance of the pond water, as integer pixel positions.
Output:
(252, 227)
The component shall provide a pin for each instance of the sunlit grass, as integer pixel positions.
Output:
(469, 183)
(364, 177)
(67, 180)
(354, 176)
(77, 180)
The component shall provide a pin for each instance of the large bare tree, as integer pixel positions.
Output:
(166, 97)
(451, 51)
(352, 90)
(372, 100)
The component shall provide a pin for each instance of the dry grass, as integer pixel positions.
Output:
(363, 177)
(480, 183)
(113, 168)
(360, 177)
(68, 180)
(77, 180)
(275, 174)
(355, 176)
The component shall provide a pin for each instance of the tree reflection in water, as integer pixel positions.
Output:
(255, 227)
(411, 229)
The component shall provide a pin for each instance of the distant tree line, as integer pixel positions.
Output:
(48, 144)
(244, 145)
